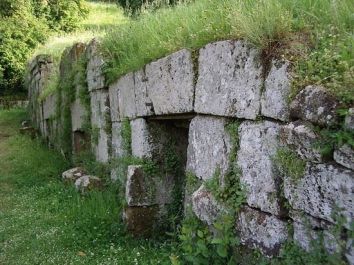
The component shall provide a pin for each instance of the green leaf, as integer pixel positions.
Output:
(222, 251)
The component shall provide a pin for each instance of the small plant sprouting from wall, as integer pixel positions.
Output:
(290, 164)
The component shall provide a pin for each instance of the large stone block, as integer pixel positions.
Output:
(50, 106)
(78, 113)
(275, 98)
(140, 188)
(345, 156)
(143, 103)
(230, 80)
(323, 191)
(126, 96)
(209, 147)
(316, 105)
(261, 231)
(142, 221)
(113, 93)
(258, 145)
(117, 140)
(301, 137)
(101, 147)
(94, 76)
(99, 108)
(141, 142)
(205, 206)
(170, 83)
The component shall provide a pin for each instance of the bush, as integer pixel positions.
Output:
(134, 6)
(25, 24)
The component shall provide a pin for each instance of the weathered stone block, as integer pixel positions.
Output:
(99, 108)
(95, 78)
(301, 137)
(141, 221)
(349, 120)
(143, 103)
(275, 98)
(324, 190)
(170, 83)
(117, 140)
(73, 174)
(78, 113)
(209, 147)
(345, 156)
(50, 106)
(205, 206)
(126, 96)
(316, 105)
(140, 188)
(87, 182)
(262, 231)
(230, 80)
(113, 93)
(258, 145)
(141, 143)
(101, 147)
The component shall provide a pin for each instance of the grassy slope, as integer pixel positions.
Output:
(316, 35)
(42, 221)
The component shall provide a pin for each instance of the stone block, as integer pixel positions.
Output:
(205, 206)
(87, 182)
(141, 142)
(345, 156)
(349, 120)
(209, 147)
(275, 97)
(140, 188)
(113, 93)
(141, 221)
(95, 77)
(117, 140)
(78, 113)
(143, 103)
(316, 105)
(258, 145)
(230, 80)
(259, 230)
(323, 191)
(99, 108)
(73, 174)
(170, 83)
(126, 96)
(50, 106)
(301, 137)
(101, 147)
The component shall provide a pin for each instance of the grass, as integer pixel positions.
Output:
(44, 221)
(302, 30)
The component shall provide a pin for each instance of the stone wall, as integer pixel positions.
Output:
(184, 104)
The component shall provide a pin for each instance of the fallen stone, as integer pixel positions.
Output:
(73, 174)
(316, 105)
(30, 131)
(170, 83)
(209, 147)
(261, 231)
(258, 146)
(275, 98)
(230, 80)
(345, 156)
(349, 120)
(205, 206)
(87, 182)
(323, 191)
(301, 136)
(95, 77)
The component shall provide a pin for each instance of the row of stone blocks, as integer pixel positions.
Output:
(228, 82)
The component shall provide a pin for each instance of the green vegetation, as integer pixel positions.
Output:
(290, 164)
(315, 35)
(44, 221)
(25, 24)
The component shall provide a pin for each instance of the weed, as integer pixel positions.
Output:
(290, 164)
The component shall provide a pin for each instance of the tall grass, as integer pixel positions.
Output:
(262, 22)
